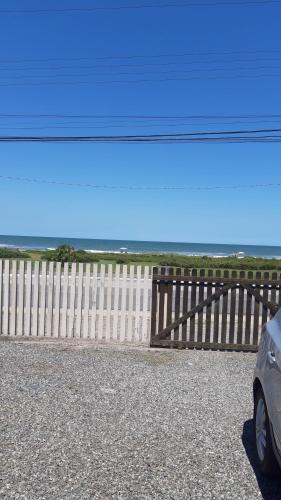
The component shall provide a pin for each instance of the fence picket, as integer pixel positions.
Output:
(42, 295)
(35, 299)
(85, 333)
(147, 287)
(71, 318)
(216, 329)
(169, 313)
(94, 288)
(248, 318)
(50, 294)
(224, 314)
(162, 290)
(100, 332)
(208, 314)
(184, 305)
(1, 287)
(240, 315)
(57, 285)
(27, 293)
(137, 335)
(63, 322)
(123, 303)
(130, 301)
(265, 296)
(79, 301)
(177, 303)
(273, 288)
(201, 313)
(233, 295)
(13, 314)
(116, 288)
(108, 303)
(257, 327)
(6, 294)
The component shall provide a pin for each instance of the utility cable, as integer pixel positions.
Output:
(138, 188)
(145, 56)
(141, 80)
(88, 9)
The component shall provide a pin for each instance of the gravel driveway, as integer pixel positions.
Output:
(81, 422)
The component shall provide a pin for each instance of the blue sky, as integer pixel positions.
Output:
(229, 216)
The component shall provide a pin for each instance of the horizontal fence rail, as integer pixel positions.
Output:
(85, 301)
(214, 310)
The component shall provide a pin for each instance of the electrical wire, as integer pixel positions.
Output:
(126, 73)
(137, 117)
(189, 134)
(158, 125)
(88, 9)
(228, 140)
(269, 135)
(141, 65)
(145, 56)
(137, 188)
(142, 80)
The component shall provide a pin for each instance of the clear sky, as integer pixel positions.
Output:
(42, 48)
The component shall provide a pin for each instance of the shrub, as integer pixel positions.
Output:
(12, 253)
(121, 260)
(64, 253)
(86, 257)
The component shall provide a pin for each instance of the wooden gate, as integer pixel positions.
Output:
(212, 309)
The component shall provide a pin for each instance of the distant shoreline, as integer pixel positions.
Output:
(159, 260)
(119, 252)
(215, 250)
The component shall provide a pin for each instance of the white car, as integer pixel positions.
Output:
(267, 397)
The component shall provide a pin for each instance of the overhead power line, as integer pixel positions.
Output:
(139, 80)
(123, 123)
(146, 56)
(264, 135)
(69, 139)
(190, 134)
(88, 9)
(143, 116)
(138, 188)
(143, 65)
(56, 76)
(65, 126)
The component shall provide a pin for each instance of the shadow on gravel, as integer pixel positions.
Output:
(270, 487)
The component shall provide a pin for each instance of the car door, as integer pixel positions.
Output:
(273, 378)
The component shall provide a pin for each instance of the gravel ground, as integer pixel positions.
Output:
(85, 422)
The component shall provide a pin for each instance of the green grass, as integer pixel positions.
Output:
(11, 253)
(157, 260)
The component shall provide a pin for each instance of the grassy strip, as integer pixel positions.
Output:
(171, 260)
(11, 253)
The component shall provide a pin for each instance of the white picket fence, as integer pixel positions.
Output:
(85, 301)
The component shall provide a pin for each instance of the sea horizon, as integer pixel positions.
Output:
(140, 246)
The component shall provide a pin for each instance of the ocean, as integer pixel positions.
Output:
(211, 249)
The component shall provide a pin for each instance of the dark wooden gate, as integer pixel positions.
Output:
(212, 309)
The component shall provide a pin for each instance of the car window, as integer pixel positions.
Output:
(277, 317)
